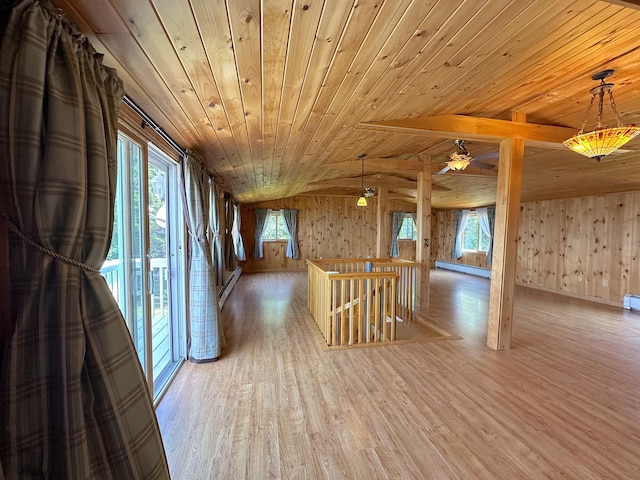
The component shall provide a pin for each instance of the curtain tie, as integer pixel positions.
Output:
(198, 238)
(12, 227)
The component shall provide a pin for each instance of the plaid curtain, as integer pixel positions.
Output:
(73, 398)
(214, 229)
(206, 340)
(396, 225)
(459, 222)
(291, 222)
(231, 261)
(261, 217)
(491, 218)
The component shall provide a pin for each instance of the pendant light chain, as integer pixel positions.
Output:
(615, 109)
(586, 119)
(362, 176)
(362, 201)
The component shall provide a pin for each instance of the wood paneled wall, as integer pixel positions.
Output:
(442, 233)
(407, 249)
(328, 227)
(584, 246)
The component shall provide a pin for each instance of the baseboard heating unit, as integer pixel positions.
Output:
(631, 301)
(458, 267)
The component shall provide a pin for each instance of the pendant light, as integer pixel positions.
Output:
(362, 201)
(601, 141)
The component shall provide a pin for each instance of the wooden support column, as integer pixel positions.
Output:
(423, 234)
(505, 242)
(383, 244)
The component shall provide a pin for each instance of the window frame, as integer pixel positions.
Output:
(277, 217)
(151, 155)
(408, 217)
(480, 235)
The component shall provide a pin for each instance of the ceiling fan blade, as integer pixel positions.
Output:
(484, 166)
(444, 170)
(487, 156)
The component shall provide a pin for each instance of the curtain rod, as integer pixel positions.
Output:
(146, 119)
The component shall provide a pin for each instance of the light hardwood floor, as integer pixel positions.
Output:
(564, 402)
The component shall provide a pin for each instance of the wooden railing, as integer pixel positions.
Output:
(355, 301)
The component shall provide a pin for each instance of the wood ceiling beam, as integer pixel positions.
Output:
(626, 3)
(414, 193)
(378, 165)
(476, 128)
(401, 194)
(371, 181)
(470, 171)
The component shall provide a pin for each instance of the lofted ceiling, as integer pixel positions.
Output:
(280, 97)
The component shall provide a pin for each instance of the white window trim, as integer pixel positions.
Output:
(274, 213)
(473, 214)
(409, 216)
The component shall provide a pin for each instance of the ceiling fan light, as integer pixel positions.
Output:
(362, 202)
(601, 141)
(459, 161)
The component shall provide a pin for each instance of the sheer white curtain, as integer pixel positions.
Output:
(237, 237)
(460, 222)
(483, 221)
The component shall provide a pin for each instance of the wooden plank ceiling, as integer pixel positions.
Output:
(274, 94)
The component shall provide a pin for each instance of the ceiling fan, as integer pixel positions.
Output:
(459, 160)
(370, 192)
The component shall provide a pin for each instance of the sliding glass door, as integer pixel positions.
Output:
(164, 234)
(124, 269)
(144, 268)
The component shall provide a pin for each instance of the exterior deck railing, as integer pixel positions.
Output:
(114, 274)
(355, 301)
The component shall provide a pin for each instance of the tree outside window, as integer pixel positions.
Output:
(275, 229)
(408, 229)
(473, 238)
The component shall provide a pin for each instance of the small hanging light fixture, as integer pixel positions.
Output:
(362, 201)
(601, 141)
(460, 159)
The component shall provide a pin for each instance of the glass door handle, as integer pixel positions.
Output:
(150, 283)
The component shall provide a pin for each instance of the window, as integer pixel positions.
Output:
(473, 238)
(144, 268)
(275, 229)
(408, 229)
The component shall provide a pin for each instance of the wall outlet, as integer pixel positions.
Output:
(605, 282)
